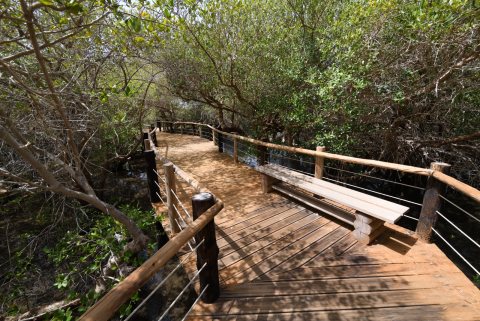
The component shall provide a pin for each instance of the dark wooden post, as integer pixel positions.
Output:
(235, 150)
(200, 131)
(220, 142)
(181, 129)
(319, 162)
(193, 129)
(146, 144)
(171, 187)
(159, 125)
(261, 155)
(145, 138)
(152, 178)
(207, 253)
(431, 203)
(162, 237)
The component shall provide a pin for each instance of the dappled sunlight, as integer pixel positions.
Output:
(281, 261)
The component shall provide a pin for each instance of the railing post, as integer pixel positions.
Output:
(319, 162)
(181, 129)
(161, 237)
(193, 129)
(144, 139)
(261, 155)
(146, 144)
(431, 203)
(220, 142)
(214, 137)
(207, 253)
(200, 131)
(159, 125)
(152, 178)
(171, 200)
(154, 137)
(235, 150)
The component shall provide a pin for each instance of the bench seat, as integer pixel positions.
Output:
(370, 212)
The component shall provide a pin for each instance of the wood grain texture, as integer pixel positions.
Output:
(280, 261)
(379, 208)
(450, 181)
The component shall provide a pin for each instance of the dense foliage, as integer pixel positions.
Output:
(391, 80)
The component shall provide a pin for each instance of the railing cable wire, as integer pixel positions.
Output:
(378, 178)
(181, 204)
(160, 197)
(458, 229)
(366, 189)
(293, 169)
(195, 302)
(458, 253)
(181, 229)
(183, 291)
(461, 209)
(294, 159)
(162, 283)
(411, 217)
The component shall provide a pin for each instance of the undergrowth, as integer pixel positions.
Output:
(77, 260)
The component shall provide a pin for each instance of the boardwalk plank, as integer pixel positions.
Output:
(305, 267)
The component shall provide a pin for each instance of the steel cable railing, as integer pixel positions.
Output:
(198, 225)
(158, 286)
(458, 229)
(459, 208)
(182, 292)
(372, 191)
(456, 251)
(243, 153)
(377, 178)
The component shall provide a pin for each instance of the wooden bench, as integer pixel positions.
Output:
(365, 212)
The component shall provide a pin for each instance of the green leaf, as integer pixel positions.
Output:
(46, 2)
(135, 24)
(74, 8)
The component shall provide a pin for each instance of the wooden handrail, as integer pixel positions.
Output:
(197, 186)
(107, 306)
(448, 180)
(466, 189)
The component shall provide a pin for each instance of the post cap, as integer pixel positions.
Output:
(202, 197)
(440, 166)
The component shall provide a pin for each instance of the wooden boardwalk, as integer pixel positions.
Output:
(281, 261)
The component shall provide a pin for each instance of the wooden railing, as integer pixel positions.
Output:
(446, 179)
(437, 175)
(202, 226)
(205, 206)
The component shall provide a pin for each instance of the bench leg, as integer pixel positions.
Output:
(367, 228)
(267, 182)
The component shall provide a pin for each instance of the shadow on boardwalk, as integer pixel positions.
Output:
(281, 261)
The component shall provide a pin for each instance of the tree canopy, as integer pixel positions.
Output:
(390, 80)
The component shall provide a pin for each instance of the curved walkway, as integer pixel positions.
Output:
(281, 261)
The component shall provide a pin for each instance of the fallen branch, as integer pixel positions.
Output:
(42, 311)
